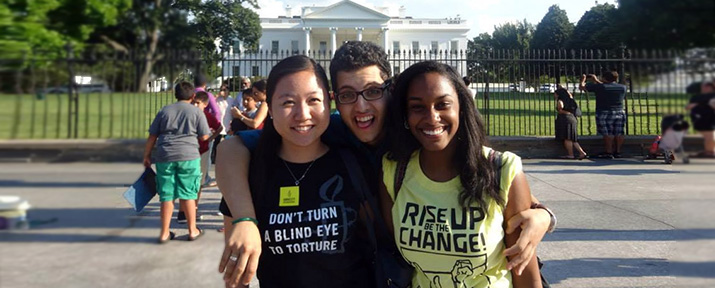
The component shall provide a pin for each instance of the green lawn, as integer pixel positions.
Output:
(128, 115)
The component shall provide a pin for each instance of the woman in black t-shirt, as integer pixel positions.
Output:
(307, 212)
(567, 123)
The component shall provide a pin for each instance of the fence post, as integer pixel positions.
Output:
(73, 103)
(622, 80)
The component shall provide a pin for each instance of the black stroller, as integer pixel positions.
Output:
(673, 128)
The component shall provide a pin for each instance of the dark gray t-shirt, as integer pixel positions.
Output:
(609, 96)
(178, 125)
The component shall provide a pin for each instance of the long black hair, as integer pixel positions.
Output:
(477, 173)
(269, 142)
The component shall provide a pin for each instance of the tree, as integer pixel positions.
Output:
(226, 20)
(665, 24)
(553, 31)
(512, 36)
(51, 24)
(597, 29)
(32, 28)
(155, 26)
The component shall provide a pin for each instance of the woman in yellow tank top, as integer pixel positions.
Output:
(448, 216)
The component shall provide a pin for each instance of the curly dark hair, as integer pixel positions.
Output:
(477, 173)
(354, 55)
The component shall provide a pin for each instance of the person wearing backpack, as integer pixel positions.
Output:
(567, 123)
(449, 215)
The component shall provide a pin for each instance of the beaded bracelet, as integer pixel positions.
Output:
(245, 219)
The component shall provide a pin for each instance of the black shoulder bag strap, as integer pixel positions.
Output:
(401, 271)
(399, 176)
(359, 184)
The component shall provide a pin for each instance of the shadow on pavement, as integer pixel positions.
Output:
(556, 271)
(25, 184)
(618, 172)
(629, 235)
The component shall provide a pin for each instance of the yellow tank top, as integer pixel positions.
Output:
(448, 245)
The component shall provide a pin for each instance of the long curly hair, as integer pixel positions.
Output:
(477, 173)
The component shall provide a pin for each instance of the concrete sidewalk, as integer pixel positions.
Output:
(622, 223)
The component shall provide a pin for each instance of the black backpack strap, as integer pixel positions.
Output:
(399, 176)
(369, 203)
(496, 158)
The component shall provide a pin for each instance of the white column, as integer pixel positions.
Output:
(359, 33)
(333, 40)
(307, 39)
(385, 38)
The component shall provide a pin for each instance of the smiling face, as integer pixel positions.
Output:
(364, 118)
(300, 109)
(433, 111)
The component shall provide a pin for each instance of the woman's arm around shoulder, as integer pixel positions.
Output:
(519, 199)
(243, 239)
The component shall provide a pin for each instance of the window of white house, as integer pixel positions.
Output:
(236, 71)
(396, 47)
(323, 46)
(255, 71)
(294, 46)
(455, 46)
(435, 46)
(415, 46)
(274, 47)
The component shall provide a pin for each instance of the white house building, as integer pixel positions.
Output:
(319, 31)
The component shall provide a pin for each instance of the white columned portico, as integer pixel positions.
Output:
(307, 39)
(333, 40)
(359, 33)
(385, 38)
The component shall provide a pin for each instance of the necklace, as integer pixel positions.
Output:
(297, 181)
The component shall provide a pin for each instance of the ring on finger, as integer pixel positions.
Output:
(233, 258)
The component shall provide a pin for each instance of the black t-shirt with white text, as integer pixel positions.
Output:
(312, 234)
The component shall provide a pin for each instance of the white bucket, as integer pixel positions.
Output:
(13, 213)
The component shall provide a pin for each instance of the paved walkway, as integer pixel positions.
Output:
(622, 223)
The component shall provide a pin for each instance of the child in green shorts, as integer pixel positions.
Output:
(176, 130)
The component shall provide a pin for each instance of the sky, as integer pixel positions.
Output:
(482, 15)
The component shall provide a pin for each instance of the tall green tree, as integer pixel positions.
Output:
(553, 31)
(665, 24)
(597, 29)
(512, 36)
(155, 26)
(50, 24)
(226, 21)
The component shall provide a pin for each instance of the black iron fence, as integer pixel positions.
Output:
(116, 95)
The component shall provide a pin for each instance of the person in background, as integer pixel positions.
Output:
(702, 113)
(224, 101)
(567, 124)
(200, 82)
(610, 116)
(201, 100)
(245, 84)
(258, 91)
(174, 131)
(251, 109)
(451, 189)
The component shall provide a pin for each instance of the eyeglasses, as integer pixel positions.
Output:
(369, 94)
